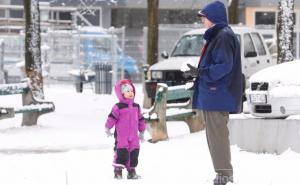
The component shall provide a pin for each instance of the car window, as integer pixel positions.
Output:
(189, 45)
(248, 44)
(259, 44)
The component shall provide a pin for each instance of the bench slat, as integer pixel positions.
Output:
(17, 88)
(179, 94)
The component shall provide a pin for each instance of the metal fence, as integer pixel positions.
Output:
(13, 54)
(2, 74)
(67, 50)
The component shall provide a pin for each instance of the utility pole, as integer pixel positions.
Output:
(152, 49)
(233, 9)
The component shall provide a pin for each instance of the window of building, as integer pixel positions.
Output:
(268, 18)
(265, 18)
(16, 14)
(135, 18)
(178, 16)
(2, 13)
(16, 2)
(93, 18)
(66, 16)
(131, 18)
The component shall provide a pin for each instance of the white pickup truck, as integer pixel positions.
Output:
(254, 53)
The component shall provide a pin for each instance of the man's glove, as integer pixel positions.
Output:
(141, 136)
(193, 71)
(108, 133)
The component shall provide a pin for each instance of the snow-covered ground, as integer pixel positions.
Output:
(69, 147)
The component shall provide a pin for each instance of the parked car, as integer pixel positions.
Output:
(255, 56)
(275, 91)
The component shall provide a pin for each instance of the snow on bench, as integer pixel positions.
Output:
(44, 107)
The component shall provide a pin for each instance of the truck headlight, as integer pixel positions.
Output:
(156, 75)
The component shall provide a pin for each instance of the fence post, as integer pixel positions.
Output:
(2, 74)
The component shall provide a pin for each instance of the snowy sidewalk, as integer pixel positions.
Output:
(69, 147)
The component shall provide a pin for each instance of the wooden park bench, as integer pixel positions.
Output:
(31, 111)
(161, 111)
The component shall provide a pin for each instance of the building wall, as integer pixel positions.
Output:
(263, 3)
(106, 17)
(4, 2)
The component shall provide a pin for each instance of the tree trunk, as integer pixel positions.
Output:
(285, 30)
(233, 12)
(33, 64)
(152, 53)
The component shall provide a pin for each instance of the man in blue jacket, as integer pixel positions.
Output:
(218, 86)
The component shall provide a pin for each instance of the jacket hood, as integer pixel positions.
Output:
(215, 12)
(118, 90)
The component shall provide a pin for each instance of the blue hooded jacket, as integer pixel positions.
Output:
(219, 85)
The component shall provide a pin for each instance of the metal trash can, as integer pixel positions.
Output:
(103, 78)
(78, 85)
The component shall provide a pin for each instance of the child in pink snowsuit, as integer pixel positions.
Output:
(128, 121)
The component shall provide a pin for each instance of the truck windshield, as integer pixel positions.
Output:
(189, 45)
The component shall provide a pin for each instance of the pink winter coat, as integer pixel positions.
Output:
(127, 118)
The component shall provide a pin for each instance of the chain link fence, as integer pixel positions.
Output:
(67, 53)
